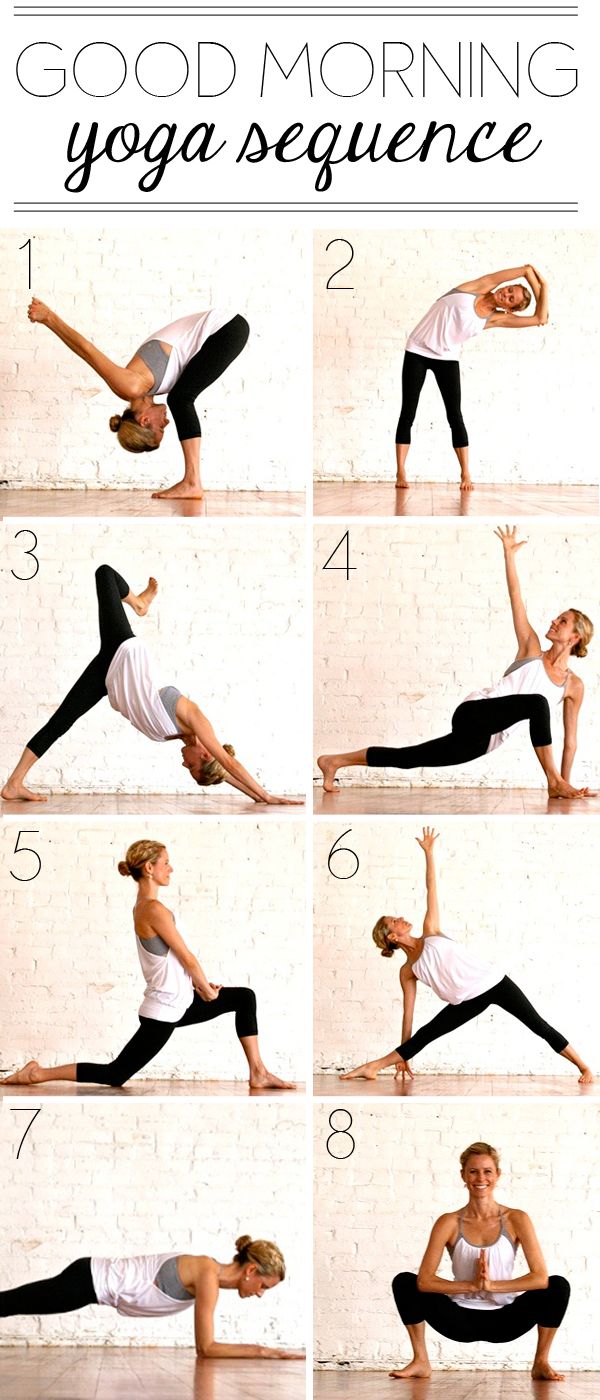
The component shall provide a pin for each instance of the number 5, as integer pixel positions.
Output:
(20, 850)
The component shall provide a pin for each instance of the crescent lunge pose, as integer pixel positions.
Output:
(536, 680)
(122, 671)
(155, 1285)
(435, 344)
(178, 992)
(482, 1302)
(180, 360)
(458, 976)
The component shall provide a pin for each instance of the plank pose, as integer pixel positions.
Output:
(535, 681)
(179, 360)
(178, 992)
(482, 1302)
(156, 1285)
(121, 670)
(458, 976)
(435, 344)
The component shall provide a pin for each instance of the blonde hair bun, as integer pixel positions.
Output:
(137, 856)
(379, 936)
(115, 422)
(585, 629)
(243, 1242)
(123, 868)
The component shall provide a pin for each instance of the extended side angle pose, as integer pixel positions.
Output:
(154, 1285)
(435, 343)
(122, 671)
(458, 976)
(536, 680)
(180, 360)
(482, 1302)
(178, 992)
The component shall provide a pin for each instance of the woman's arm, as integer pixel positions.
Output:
(428, 1279)
(207, 1293)
(528, 640)
(537, 1277)
(408, 983)
(191, 716)
(126, 383)
(161, 922)
(431, 922)
(512, 320)
(571, 706)
(487, 283)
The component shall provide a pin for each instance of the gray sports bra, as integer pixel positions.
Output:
(169, 1282)
(156, 359)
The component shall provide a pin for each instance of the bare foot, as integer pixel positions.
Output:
(263, 1079)
(401, 483)
(415, 1370)
(542, 1371)
(560, 788)
(466, 484)
(26, 1075)
(363, 1072)
(181, 491)
(329, 768)
(586, 1077)
(17, 792)
(140, 602)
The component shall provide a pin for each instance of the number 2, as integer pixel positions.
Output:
(330, 287)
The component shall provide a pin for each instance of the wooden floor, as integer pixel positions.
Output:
(148, 1088)
(450, 1385)
(446, 801)
(126, 1373)
(103, 504)
(430, 498)
(122, 804)
(516, 1086)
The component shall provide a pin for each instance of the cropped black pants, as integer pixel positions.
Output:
(473, 724)
(505, 994)
(211, 361)
(447, 378)
(71, 1289)
(541, 1307)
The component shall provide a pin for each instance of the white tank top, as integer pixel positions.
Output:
(528, 677)
(444, 328)
(129, 1285)
(131, 691)
(185, 337)
(501, 1263)
(169, 988)
(453, 972)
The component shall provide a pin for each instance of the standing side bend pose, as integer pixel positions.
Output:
(122, 671)
(180, 360)
(482, 1302)
(534, 681)
(155, 1285)
(435, 343)
(458, 976)
(177, 991)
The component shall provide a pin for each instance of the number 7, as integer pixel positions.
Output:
(29, 1125)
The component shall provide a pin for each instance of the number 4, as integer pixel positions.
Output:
(346, 568)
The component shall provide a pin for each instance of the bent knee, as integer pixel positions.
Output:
(403, 1284)
(560, 1286)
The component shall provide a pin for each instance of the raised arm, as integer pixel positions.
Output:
(125, 383)
(480, 285)
(191, 716)
(528, 641)
(431, 922)
(161, 923)
(513, 320)
(571, 706)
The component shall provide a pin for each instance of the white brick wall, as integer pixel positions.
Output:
(423, 621)
(226, 628)
(523, 898)
(114, 1179)
(74, 984)
(374, 1212)
(116, 288)
(528, 396)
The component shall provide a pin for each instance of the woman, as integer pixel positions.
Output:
(437, 340)
(180, 360)
(122, 671)
(154, 1285)
(482, 1302)
(459, 977)
(177, 991)
(535, 680)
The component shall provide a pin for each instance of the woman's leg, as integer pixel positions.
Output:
(240, 1001)
(473, 724)
(447, 374)
(211, 361)
(447, 1020)
(414, 369)
(142, 1048)
(542, 1307)
(510, 997)
(71, 1289)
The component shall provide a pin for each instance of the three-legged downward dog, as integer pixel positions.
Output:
(121, 670)
(482, 1302)
(178, 993)
(458, 976)
(179, 360)
(157, 1285)
(535, 681)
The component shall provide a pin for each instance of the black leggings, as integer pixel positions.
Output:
(447, 378)
(209, 364)
(152, 1035)
(541, 1307)
(71, 1289)
(505, 994)
(473, 724)
(91, 686)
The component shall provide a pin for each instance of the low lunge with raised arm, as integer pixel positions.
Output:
(535, 683)
(458, 976)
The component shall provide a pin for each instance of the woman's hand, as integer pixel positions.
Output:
(38, 311)
(272, 801)
(428, 838)
(209, 991)
(278, 1354)
(508, 536)
(482, 1277)
(403, 1068)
